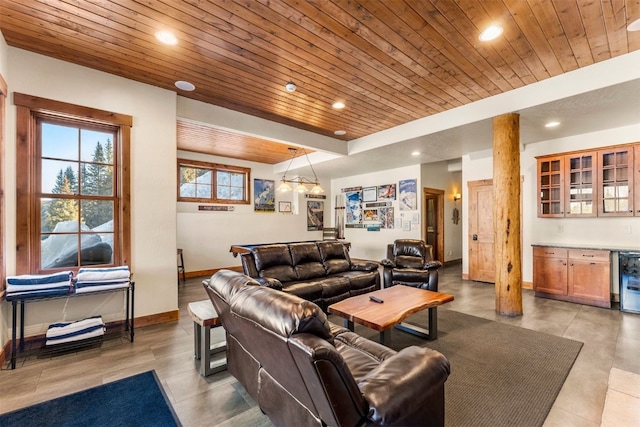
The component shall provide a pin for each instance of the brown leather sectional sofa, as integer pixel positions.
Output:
(321, 272)
(303, 370)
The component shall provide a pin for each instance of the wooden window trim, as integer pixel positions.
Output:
(3, 238)
(214, 167)
(28, 108)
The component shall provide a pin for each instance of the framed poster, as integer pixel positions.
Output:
(315, 215)
(284, 207)
(265, 196)
(408, 195)
(370, 194)
(353, 207)
(386, 217)
(387, 192)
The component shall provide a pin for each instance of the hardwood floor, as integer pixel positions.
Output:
(612, 340)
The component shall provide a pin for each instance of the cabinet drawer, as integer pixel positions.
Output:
(550, 252)
(589, 255)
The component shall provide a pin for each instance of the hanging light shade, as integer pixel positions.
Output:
(300, 182)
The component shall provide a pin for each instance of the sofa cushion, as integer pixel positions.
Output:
(280, 312)
(274, 261)
(361, 279)
(310, 291)
(334, 257)
(306, 260)
(333, 286)
(404, 261)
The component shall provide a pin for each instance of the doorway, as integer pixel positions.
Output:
(433, 233)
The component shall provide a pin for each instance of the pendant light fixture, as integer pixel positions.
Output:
(300, 182)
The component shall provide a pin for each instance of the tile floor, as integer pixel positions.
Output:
(603, 388)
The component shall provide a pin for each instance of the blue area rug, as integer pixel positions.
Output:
(135, 401)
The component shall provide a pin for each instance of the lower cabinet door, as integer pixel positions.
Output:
(550, 275)
(589, 282)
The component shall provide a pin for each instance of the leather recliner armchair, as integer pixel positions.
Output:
(303, 370)
(410, 262)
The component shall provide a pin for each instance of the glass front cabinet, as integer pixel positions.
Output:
(601, 182)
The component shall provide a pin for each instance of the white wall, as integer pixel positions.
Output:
(153, 179)
(206, 236)
(596, 232)
(373, 244)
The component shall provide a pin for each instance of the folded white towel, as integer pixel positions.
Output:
(66, 328)
(92, 334)
(23, 288)
(39, 279)
(97, 288)
(102, 274)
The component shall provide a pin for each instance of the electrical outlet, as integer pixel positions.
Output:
(627, 229)
(560, 228)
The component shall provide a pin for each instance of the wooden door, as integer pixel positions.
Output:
(482, 266)
(433, 233)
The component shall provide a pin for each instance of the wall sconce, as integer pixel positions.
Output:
(300, 182)
(456, 213)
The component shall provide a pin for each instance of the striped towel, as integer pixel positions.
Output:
(64, 290)
(100, 287)
(64, 332)
(102, 275)
(38, 285)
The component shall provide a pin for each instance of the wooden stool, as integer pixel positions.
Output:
(181, 271)
(204, 318)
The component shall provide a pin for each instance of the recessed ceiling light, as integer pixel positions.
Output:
(167, 37)
(552, 124)
(290, 87)
(490, 33)
(338, 105)
(340, 132)
(182, 85)
(634, 26)
(415, 153)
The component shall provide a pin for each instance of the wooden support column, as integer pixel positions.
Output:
(506, 214)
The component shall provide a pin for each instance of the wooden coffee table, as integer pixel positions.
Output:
(399, 303)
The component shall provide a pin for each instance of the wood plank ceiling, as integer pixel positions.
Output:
(390, 61)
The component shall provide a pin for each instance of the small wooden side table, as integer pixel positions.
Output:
(204, 318)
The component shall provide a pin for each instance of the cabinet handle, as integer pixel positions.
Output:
(549, 253)
(588, 256)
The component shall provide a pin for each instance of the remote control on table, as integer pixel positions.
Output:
(374, 299)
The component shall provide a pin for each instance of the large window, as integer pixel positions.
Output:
(74, 186)
(212, 183)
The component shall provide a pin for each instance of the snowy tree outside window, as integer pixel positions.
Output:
(78, 200)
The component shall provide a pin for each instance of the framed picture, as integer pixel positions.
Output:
(370, 194)
(315, 215)
(284, 207)
(265, 196)
(408, 195)
(353, 207)
(387, 192)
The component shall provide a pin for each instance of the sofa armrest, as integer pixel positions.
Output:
(404, 384)
(387, 263)
(270, 282)
(364, 266)
(432, 265)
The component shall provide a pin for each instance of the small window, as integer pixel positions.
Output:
(212, 183)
